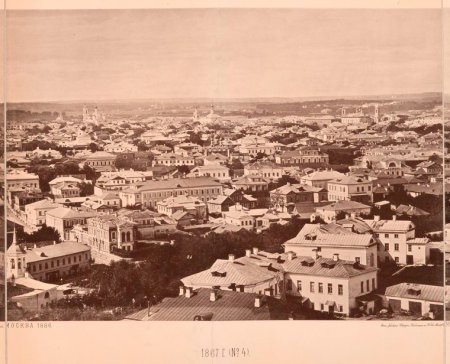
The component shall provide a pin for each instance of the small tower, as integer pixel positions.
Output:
(376, 116)
(85, 114)
(16, 264)
(343, 112)
(95, 116)
(195, 116)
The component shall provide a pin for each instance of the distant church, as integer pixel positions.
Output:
(96, 117)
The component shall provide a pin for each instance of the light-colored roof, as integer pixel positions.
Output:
(418, 292)
(323, 175)
(64, 179)
(55, 251)
(390, 225)
(325, 267)
(330, 235)
(349, 180)
(175, 183)
(68, 213)
(43, 204)
(233, 272)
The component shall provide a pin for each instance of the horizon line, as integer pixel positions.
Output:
(253, 98)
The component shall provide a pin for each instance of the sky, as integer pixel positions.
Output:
(221, 53)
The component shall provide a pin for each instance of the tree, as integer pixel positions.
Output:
(93, 147)
(86, 189)
(183, 169)
(45, 233)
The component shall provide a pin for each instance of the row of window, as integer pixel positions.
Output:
(368, 285)
(387, 235)
(396, 247)
(175, 193)
(312, 286)
(36, 267)
(100, 163)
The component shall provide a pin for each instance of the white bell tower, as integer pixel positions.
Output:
(16, 263)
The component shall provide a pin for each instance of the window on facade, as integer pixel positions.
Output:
(40, 266)
(52, 264)
(340, 289)
(320, 287)
(373, 284)
(386, 247)
(386, 235)
(409, 247)
(357, 259)
(46, 265)
(330, 288)
(311, 286)
(289, 284)
(68, 260)
(396, 236)
(321, 306)
(397, 259)
(396, 247)
(299, 286)
(341, 309)
(368, 285)
(362, 287)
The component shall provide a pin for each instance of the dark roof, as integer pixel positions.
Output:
(229, 306)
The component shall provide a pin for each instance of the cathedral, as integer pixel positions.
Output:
(96, 117)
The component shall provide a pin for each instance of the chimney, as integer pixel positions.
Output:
(255, 251)
(231, 257)
(290, 255)
(188, 291)
(376, 218)
(213, 296)
(258, 301)
(353, 215)
(181, 291)
(394, 217)
(317, 254)
(248, 252)
(335, 257)
(347, 216)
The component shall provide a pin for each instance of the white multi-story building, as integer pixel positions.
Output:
(320, 178)
(35, 212)
(329, 285)
(350, 188)
(327, 240)
(149, 193)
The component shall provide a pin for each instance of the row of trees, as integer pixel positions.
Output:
(47, 173)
